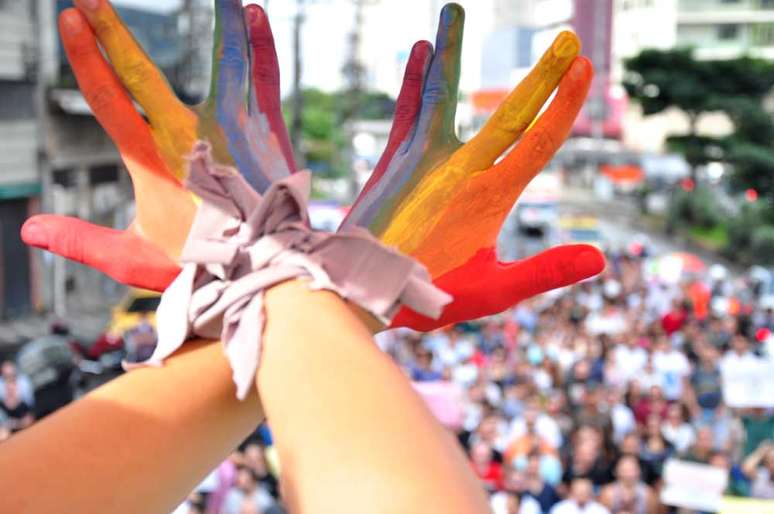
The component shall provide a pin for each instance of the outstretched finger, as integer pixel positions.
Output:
(441, 87)
(522, 105)
(483, 286)
(124, 256)
(544, 138)
(406, 107)
(103, 92)
(266, 77)
(230, 59)
(554, 268)
(138, 73)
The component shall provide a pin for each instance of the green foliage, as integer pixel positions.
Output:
(762, 245)
(749, 234)
(658, 80)
(323, 132)
(693, 208)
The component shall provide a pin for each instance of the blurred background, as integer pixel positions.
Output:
(669, 169)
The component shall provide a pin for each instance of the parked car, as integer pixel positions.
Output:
(137, 306)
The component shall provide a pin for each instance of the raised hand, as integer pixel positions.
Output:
(444, 202)
(241, 118)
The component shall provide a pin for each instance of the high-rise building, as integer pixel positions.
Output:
(721, 29)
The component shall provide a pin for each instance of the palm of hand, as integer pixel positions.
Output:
(443, 202)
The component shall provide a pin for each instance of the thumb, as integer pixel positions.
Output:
(122, 255)
(557, 267)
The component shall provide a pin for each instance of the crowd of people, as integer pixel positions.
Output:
(574, 401)
(571, 402)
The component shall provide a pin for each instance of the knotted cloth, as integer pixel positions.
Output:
(241, 244)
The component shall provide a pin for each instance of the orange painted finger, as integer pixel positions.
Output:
(103, 92)
(521, 106)
(137, 72)
(164, 209)
(473, 217)
(542, 141)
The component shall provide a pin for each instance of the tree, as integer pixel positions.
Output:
(738, 87)
(323, 141)
(662, 79)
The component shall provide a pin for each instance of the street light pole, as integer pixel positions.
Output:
(298, 98)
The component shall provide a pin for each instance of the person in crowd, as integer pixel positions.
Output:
(672, 365)
(759, 469)
(18, 413)
(580, 500)
(486, 468)
(758, 426)
(537, 487)
(702, 448)
(9, 373)
(247, 490)
(676, 429)
(628, 494)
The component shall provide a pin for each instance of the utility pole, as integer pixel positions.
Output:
(354, 72)
(46, 70)
(195, 23)
(296, 122)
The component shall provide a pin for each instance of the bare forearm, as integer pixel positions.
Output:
(140, 443)
(352, 435)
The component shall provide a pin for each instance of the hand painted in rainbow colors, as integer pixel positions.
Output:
(241, 118)
(444, 202)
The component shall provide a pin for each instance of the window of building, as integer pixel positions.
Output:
(763, 34)
(728, 32)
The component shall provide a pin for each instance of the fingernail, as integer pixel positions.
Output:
(589, 263)
(252, 12)
(566, 45)
(72, 22)
(34, 234)
(450, 14)
(92, 5)
(578, 68)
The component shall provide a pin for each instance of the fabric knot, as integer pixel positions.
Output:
(241, 244)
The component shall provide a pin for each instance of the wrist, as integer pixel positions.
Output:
(295, 294)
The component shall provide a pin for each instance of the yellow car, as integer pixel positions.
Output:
(138, 304)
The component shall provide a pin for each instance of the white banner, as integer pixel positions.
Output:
(693, 486)
(750, 384)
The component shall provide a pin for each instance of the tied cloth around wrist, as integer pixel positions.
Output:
(241, 244)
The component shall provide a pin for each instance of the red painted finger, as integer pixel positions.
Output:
(406, 108)
(122, 255)
(265, 74)
(557, 267)
(483, 286)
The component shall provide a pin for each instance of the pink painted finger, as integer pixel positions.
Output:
(122, 255)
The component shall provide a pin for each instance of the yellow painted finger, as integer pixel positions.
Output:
(523, 104)
(174, 125)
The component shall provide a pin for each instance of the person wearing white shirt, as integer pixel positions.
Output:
(738, 359)
(673, 366)
(581, 500)
(545, 426)
(630, 358)
(509, 503)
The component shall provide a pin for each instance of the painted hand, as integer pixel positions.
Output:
(241, 118)
(444, 202)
